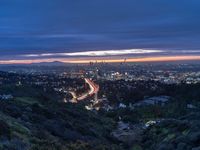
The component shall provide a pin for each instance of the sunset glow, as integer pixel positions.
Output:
(99, 60)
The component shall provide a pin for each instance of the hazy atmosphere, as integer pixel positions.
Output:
(99, 74)
(50, 30)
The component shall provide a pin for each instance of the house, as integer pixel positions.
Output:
(121, 105)
(6, 97)
(157, 100)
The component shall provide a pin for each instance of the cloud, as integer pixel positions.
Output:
(68, 28)
(97, 53)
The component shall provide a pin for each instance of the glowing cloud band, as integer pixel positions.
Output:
(97, 53)
(142, 59)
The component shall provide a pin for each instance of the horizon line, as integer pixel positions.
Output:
(116, 60)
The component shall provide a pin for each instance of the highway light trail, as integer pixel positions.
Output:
(93, 90)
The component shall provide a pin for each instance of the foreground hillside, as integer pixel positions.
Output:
(37, 119)
(41, 123)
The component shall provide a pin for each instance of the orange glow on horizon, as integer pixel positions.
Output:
(98, 60)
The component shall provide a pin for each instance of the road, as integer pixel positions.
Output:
(94, 88)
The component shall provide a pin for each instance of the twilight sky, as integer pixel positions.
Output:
(42, 30)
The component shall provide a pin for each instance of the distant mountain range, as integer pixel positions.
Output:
(54, 63)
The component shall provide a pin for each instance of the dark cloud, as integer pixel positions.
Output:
(75, 25)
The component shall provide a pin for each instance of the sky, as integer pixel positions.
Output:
(77, 30)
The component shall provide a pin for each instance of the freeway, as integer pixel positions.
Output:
(94, 88)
